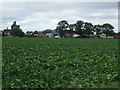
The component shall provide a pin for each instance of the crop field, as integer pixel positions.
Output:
(59, 63)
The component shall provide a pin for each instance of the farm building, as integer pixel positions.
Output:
(7, 32)
(104, 36)
(76, 35)
(53, 34)
(110, 37)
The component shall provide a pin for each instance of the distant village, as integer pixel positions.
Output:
(41, 34)
(16, 31)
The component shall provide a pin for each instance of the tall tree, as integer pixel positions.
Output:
(29, 33)
(47, 31)
(107, 29)
(88, 28)
(14, 25)
(62, 26)
(16, 30)
(79, 27)
(35, 32)
(118, 33)
(97, 29)
(72, 28)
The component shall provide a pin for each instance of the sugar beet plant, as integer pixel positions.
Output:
(58, 63)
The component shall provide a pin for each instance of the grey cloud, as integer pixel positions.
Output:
(41, 15)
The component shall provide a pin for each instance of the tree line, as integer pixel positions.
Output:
(80, 27)
(84, 28)
(31, 33)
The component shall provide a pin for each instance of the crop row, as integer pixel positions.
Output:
(58, 63)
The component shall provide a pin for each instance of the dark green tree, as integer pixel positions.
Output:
(72, 28)
(29, 33)
(79, 27)
(107, 29)
(47, 31)
(88, 28)
(61, 27)
(16, 31)
(14, 25)
(118, 33)
(97, 29)
(21, 34)
(35, 32)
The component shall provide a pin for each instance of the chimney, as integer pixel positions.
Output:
(7, 28)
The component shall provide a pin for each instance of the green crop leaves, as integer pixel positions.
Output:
(58, 63)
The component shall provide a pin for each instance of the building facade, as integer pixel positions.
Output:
(7, 32)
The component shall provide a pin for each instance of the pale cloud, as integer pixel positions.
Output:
(96, 14)
(59, 0)
(43, 15)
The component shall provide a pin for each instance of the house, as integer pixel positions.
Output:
(76, 35)
(110, 37)
(49, 34)
(14, 26)
(102, 36)
(54, 34)
(40, 34)
(7, 32)
(35, 34)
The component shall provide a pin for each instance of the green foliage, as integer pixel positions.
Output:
(62, 26)
(118, 33)
(16, 30)
(108, 29)
(78, 27)
(110, 85)
(0, 62)
(98, 29)
(58, 63)
(35, 32)
(88, 28)
(84, 28)
(47, 31)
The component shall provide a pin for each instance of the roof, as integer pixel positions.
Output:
(7, 29)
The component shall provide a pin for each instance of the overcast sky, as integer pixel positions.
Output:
(39, 16)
